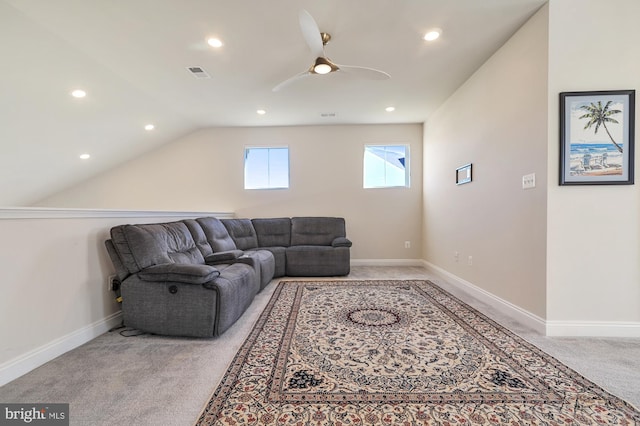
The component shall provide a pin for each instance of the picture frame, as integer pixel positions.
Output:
(597, 132)
(463, 174)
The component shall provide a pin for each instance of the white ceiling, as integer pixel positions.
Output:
(131, 58)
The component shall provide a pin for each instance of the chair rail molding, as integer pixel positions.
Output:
(64, 213)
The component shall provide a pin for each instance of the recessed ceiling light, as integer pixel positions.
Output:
(149, 127)
(78, 93)
(390, 109)
(214, 42)
(261, 112)
(85, 156)
(432, 34)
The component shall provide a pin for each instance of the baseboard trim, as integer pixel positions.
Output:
(387, 262)
(517, 313)
(593, 329)
(33, 359)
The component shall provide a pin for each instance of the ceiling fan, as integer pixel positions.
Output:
(323, 65)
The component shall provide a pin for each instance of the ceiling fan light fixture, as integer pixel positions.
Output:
(316, 40)
(322, 69)
(323, 66)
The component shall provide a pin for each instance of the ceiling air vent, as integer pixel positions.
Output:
(327, 114)
(198, 72)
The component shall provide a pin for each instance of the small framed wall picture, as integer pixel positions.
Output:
(597, 137)
(463, 174)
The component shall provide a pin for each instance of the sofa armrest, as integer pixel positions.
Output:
(341, 242)
(246, 259)
(179, 272)
(223, 256)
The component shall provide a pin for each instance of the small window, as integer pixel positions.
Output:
(386, 166)
(266, 168)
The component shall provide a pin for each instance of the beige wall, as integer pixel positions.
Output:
(204, 171)
(593, 256)
(497, 120)
(54, 283)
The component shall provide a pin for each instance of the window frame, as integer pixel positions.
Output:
(407, 168)
(247, 149)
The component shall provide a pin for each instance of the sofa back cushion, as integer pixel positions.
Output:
(242, 233)
(316, 231)
(216, 234)
(141, 246)
(199, 237)
(273, 232)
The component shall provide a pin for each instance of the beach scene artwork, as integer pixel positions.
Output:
(596, 145)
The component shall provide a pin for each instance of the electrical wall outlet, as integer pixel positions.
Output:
(529, 181)
(407, 244)
(456, 256)
(110, 281)
(470, 260)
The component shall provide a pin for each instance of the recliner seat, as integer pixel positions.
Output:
(166, 286)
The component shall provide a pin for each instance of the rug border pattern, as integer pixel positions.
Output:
(228, 381)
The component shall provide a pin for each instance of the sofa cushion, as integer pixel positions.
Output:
(274, 232)
(216, 234)
(199, 237)
(316, 231)
(236, 287)
(141, 246)
(242, 233)
(153, 307)
(317, 261)
(266, 265)
(279, 259)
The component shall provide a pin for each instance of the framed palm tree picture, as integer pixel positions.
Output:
(597, 137)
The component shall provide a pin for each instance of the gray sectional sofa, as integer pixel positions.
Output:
(196, 277)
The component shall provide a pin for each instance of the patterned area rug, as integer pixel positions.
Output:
(397, 353)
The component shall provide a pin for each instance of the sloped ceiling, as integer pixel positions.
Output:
(131, 57)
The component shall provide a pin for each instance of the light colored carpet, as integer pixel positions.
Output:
(153, 380)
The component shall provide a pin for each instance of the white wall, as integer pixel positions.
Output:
(497, 121)
(505, 121)
(54, 282)
(204, 171)
(593, 256)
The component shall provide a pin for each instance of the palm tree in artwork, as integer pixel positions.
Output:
(600, 116)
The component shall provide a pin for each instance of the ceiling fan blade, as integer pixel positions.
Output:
(311, 33)
(364, 72)
(291, 80)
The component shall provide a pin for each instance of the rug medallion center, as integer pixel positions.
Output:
(374, 317)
